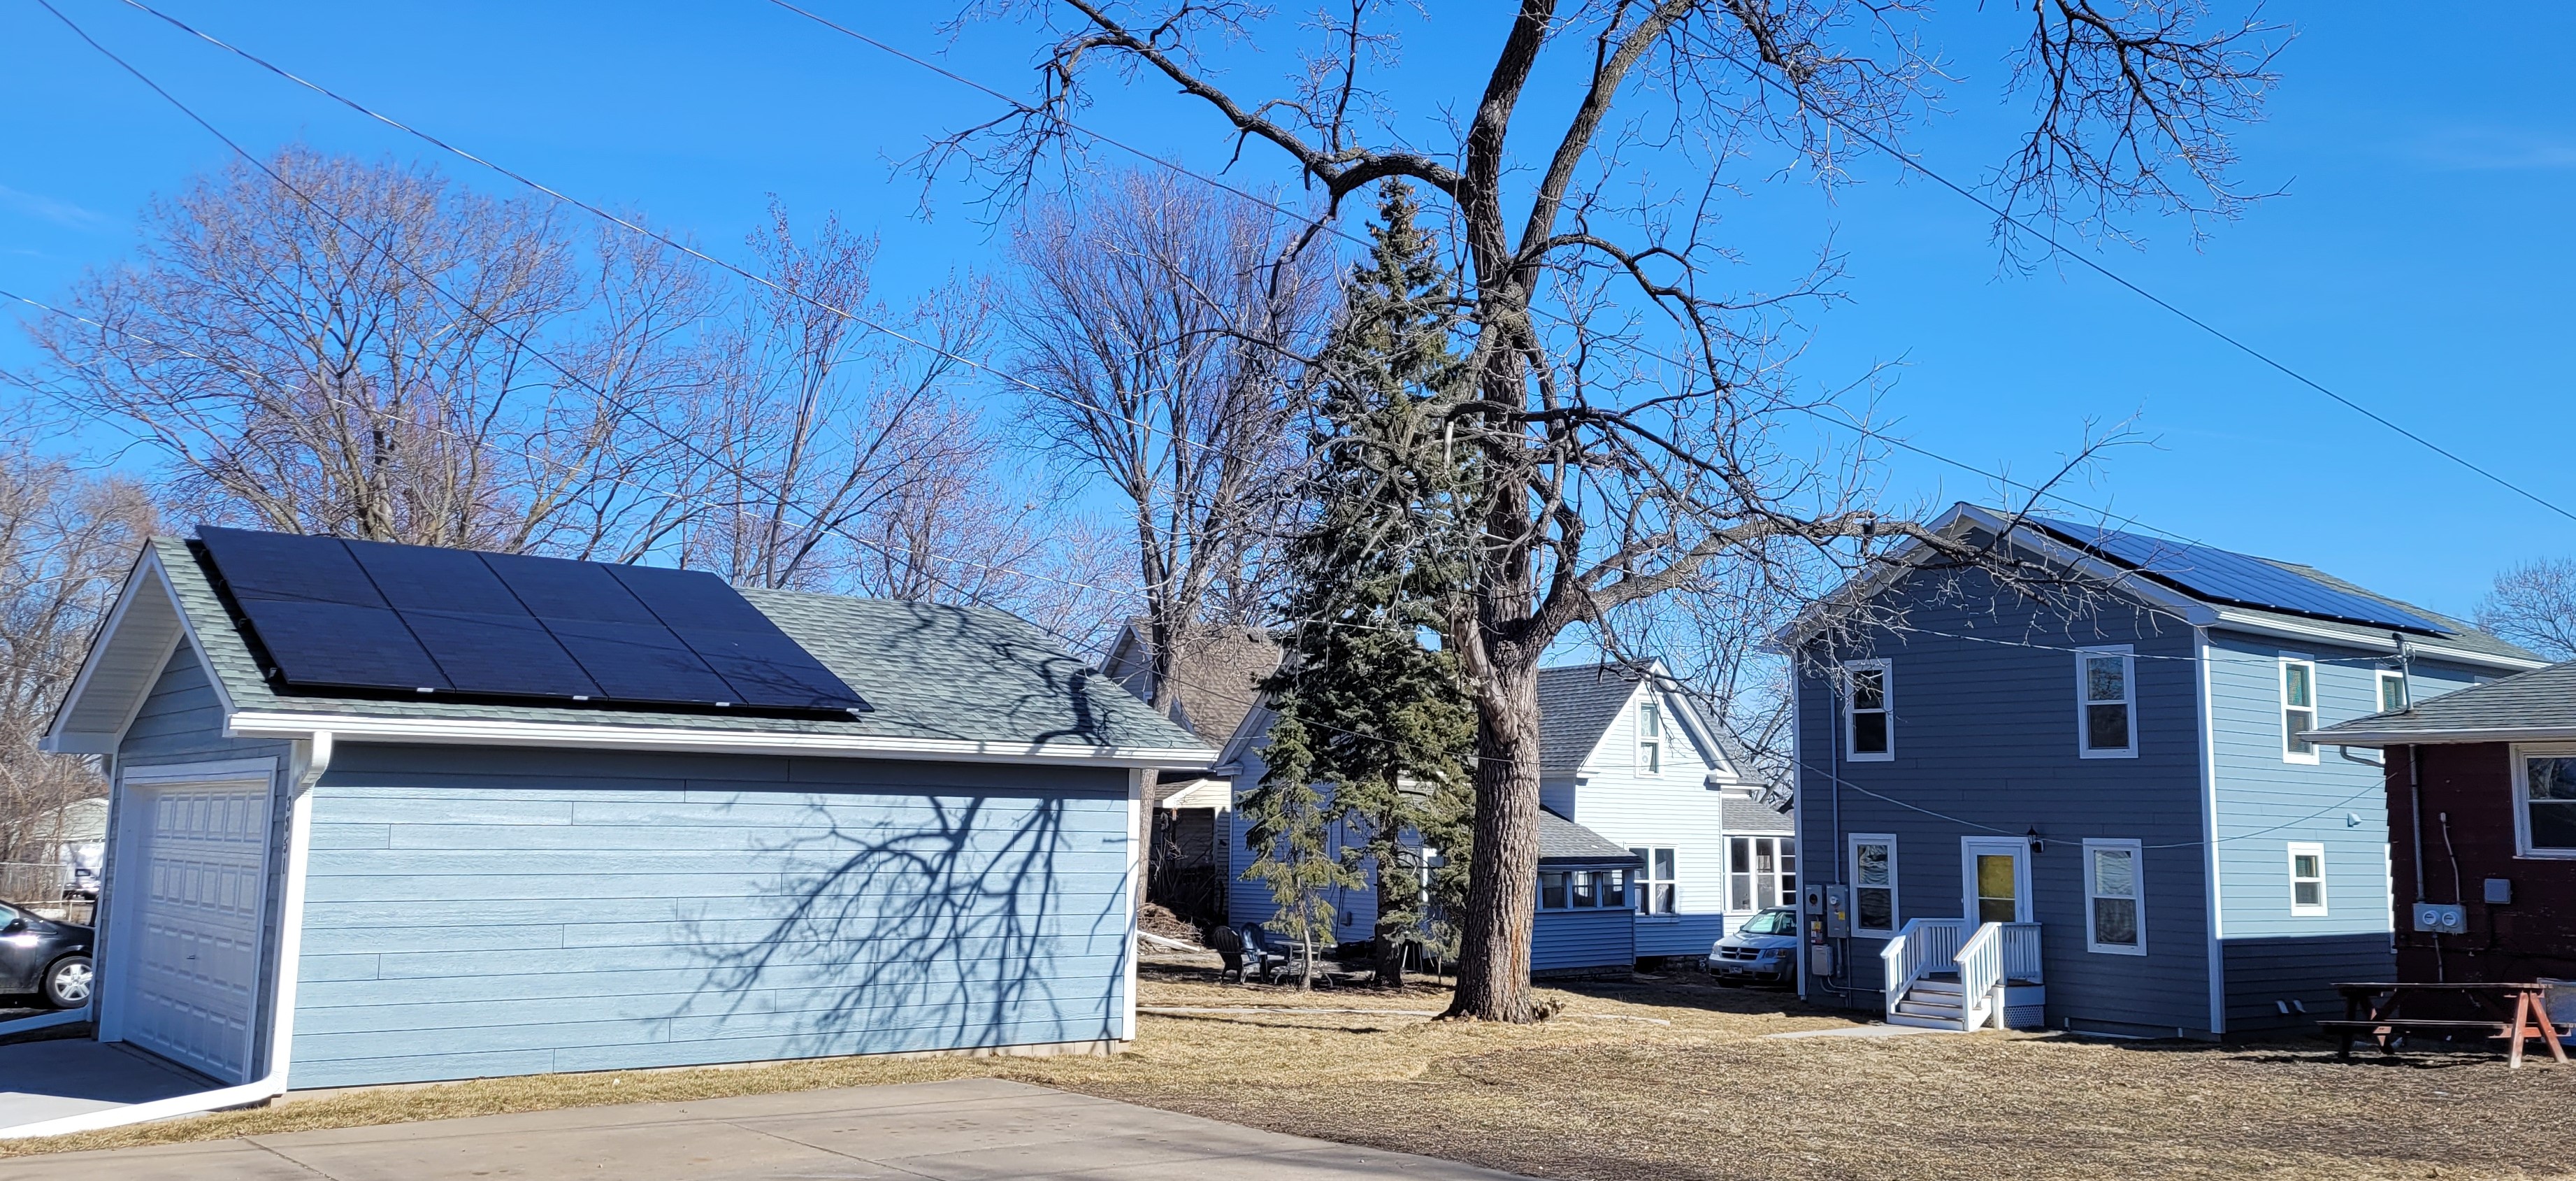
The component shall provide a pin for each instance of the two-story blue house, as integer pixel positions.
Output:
(2077, 793)
(1657, 831)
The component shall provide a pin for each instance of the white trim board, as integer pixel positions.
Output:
(494, 732)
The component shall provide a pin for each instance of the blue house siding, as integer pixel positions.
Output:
(1680, 934)
(1985, 724)
(1569, 940)
(475, 911)
(2266, 803)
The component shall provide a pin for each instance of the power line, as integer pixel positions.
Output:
(1848, 126)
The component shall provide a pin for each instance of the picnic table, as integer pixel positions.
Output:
(2519, 1010)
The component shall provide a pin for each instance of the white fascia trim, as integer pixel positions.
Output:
(2340, 737)
(2237, 621)
(484, 732)
(147, 570)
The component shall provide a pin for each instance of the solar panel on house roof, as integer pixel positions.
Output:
(337, 614)
(2226, 577)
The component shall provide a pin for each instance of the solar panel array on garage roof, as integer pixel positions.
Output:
(367, 615)
(2236, 579)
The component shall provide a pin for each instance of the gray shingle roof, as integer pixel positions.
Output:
(1748, 814)
(2535, 704)
(1575, 705)
(1560, 839)
(931, 672)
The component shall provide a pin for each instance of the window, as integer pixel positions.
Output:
(2298, 709)
(1650, 738)
(1551, 889)
(2105, 702)
(1762, 872)
(2392, 691)
(2545, 783)
(1868, 731)
(1657, 890)
(2307, 878)
(1873, 876)
(2116, 923)
(1611, 886)
(1584, 892)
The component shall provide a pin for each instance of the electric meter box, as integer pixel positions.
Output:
(2442, 918)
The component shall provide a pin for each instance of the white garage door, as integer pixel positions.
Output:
(185, 949)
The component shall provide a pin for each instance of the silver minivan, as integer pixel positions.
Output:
(1764, 948)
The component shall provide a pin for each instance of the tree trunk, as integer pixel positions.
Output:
(1398, 892)
(1502, 879)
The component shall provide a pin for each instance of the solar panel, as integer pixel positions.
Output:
(337, 614)
(736, 640)
(315, 611)
(2237, 579)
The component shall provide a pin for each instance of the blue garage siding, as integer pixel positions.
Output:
(474, 911)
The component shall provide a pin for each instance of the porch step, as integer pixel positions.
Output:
(1912, 1007)
(1901, 1018)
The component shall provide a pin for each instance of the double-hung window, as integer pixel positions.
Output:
(2114, 917)
(2544, 784)
(1650, 738)
(1762, 872)
(2298, 708)
(2307, 878)
(2106, 703)
(1869, 729)
(1873, 876)
(1582, 889)
(2392, 690)
(1658, 889)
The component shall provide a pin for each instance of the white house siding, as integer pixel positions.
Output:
(2266, 802)
(1675, 809)
(478, 911)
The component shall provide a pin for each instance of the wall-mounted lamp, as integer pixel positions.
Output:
(2036, 844)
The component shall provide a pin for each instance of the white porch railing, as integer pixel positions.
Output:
(1981, 976)
(1920, 947)
(2021, 951)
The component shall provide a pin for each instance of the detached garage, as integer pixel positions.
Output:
(386, 814)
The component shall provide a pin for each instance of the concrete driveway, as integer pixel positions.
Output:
(963, 1130)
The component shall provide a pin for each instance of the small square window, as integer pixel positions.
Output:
(2392, 691)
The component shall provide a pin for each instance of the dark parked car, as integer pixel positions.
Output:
(1765, 948)
(44, 956)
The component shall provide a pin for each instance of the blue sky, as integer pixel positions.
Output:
(2416, 262)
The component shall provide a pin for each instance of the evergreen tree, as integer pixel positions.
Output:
(1366, 706)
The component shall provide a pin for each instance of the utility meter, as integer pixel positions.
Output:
(1827, 916)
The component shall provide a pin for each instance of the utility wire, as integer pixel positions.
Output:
(1849, 127)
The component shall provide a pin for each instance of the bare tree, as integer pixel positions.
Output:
(1158, 326)
(66, 542)
(2534, 605)
(367, 350)
(1630, 411)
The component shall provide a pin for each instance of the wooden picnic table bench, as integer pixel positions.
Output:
(2520, 1008)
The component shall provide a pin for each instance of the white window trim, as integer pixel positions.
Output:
(1887, 707)
(2138, 897)
(2324, 879)
(1647, 881)
(2083, 700)
(2379, 690)
(1663, 727)
(1851, 868)
(1754, 875)
(2522, 800)
(2281, 706)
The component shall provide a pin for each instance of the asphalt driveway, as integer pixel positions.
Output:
(961, 1130)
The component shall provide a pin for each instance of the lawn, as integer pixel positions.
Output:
(1672, 1078)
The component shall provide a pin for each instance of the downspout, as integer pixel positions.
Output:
(311, 758)
(2415, 830)
(2212, 901)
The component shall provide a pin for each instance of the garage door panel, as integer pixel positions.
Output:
(190, 988)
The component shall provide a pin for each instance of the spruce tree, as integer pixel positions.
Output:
(1368, 707)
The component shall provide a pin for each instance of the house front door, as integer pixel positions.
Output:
(1997, 873)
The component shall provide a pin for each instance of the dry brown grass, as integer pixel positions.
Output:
(1695, 1092)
